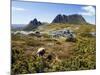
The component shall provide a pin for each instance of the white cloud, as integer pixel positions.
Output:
(88, 10)
(18, 9)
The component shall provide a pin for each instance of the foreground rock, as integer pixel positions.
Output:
(41, 51)
(93, 33)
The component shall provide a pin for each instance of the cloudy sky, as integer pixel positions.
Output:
(23, 12)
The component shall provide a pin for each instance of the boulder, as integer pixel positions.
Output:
(93, 33)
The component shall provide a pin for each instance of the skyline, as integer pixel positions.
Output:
(23, 12)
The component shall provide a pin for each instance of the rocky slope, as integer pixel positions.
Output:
(32, 25)
(72, 19)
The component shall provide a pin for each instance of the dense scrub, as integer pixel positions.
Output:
(66, 55)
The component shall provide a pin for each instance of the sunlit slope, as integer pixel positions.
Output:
(58, 26)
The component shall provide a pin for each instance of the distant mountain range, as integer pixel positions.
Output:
(17, 26)
(71, 19)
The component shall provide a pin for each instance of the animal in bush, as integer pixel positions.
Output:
(41, 51)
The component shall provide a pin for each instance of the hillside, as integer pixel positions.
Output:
(62, 52)
(15, 27)
(58, 26)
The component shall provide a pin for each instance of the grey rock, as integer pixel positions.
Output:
(68, 34)
(93, 33)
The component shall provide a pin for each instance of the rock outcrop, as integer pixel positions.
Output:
(72, 19)
(68, 34)
(32, 25)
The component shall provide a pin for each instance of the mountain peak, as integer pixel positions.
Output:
(33, 24)
(73, 19)
(35, 19)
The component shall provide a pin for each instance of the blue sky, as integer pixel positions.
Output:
(23, 12)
